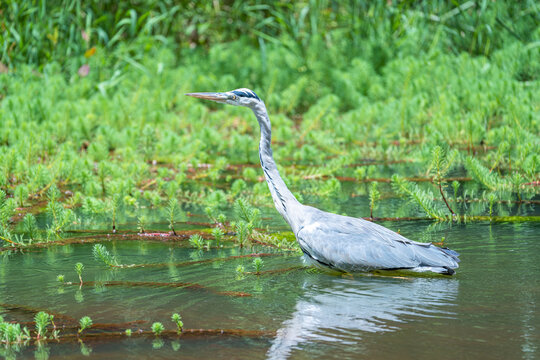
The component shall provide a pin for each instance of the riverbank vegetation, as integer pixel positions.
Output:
(435, 102)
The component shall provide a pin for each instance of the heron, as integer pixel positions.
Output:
(338, 242)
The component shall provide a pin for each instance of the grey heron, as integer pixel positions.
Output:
(334, 241)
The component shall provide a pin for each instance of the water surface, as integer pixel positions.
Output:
(488, 310)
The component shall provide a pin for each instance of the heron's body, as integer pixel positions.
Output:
(338, 242)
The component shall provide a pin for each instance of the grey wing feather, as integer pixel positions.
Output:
(353, 244)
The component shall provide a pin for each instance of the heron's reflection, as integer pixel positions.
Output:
(342, 309)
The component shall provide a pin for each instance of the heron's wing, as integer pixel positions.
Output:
(355, 244)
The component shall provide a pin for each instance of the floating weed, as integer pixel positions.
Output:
(374, 196)
(128, 332)
(141, 223)
(30, 226)
(243, 231)
(240, 270)
(173, 210)
(196, 241)
(418, 196)
(217, 233)
(85, 322)
(441, 162)
(101, 253)
(79, 267)
(177, 320)
(157, 328)
(257, 265)
(42, 319)
(60, 279)
(246, 213)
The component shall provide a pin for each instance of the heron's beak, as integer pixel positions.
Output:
(219, 97)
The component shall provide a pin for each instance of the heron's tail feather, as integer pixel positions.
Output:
(452, 253)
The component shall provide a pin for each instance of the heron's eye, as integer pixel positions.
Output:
(234, 97)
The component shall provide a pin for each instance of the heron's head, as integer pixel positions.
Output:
(238, 97)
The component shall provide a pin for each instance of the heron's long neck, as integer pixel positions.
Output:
(284, 200)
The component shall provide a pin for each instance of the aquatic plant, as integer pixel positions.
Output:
(374, 196)
(441, 162)
(257, 265)
(243, 231)
(101, 253)
(42, 319)
(245, 212)
(172, 211)
(217, 233)
(12, 333)
(157, 328)
(79, 267)
(60, 279)
(177, 319)
(85, 322)
(196, 241)
(141, 223)
(418, 196)
(21, 194)
(240, 269)
(128, 332)
(30, 226)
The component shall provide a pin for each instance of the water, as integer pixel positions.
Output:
(488, 310)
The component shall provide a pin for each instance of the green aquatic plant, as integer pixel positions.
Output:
(247, 213)
(128, 332)
(257, 265)
(217, 233)
(243, 231)
(114, 204)
(214, 213)
(157, 328)
(418, 196)
(42, 320)
(60, 278)
(21, 194)
(84, 323)
(173, 210)
(491, 198)
(240, 270)
(482, 175)
(441, 162)
(141, 223)
(30, 226)
(196, 241)
(374, 196)
(177, 320)
(455, 187)
(79, 267)
(101, 253)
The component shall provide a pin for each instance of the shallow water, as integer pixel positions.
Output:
(486, 311)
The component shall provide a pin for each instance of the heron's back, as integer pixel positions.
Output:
(352, 244)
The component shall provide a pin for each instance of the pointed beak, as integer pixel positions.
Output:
(214, 96)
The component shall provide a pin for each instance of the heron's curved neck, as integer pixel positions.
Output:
(284, 200)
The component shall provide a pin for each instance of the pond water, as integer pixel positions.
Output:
(488, 310)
